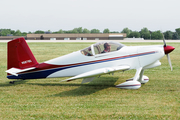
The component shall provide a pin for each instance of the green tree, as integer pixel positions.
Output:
(168, 35)
(127, 31)
(68, 31)
(85, 30)
(114, 32)
(58, 32)
(61, 31)
(145, 33)
(134, 34)
(17, 33)
(175, 36)
(12, 32)
(178, 32)
(48, 32)
(156, 35)
(75, 30)
(80, 30)
(95, 31)
(24, 34)
(106, 30)
(39, 32)
(5, 32)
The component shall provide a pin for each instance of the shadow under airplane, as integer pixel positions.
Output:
(84, 89)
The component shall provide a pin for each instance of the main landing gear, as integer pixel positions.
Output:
(12, 82)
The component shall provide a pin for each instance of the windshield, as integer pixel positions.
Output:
(87, 51)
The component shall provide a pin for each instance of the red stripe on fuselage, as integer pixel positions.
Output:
(46, 66)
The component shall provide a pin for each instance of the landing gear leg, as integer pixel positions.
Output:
(141, 76)
(137, 75)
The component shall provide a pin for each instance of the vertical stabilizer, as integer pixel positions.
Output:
(20, 55)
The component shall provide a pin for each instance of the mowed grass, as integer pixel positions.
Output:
(51, 99)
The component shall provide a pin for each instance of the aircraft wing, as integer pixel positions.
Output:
(99, 72)
(14, 71)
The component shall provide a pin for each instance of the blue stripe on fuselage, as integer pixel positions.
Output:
(47, 72)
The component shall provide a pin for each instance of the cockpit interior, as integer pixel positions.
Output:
(102, 48)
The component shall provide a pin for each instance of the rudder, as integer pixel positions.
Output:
(20, 55)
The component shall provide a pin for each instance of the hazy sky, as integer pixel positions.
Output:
(32, 15)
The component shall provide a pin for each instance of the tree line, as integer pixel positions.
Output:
(144, 33)
(154, 35)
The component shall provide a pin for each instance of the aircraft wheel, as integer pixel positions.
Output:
(11, 82)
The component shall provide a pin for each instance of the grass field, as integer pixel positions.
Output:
(51, 99)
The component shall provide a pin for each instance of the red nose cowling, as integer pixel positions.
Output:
(168, 49)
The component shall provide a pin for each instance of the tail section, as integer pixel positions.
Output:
(20, 55)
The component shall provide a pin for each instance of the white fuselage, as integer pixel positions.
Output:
(133, 56)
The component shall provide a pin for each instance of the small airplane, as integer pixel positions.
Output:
(98, 59)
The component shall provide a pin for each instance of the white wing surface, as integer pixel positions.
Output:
(99, 72)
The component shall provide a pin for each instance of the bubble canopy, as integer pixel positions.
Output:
(102, 48)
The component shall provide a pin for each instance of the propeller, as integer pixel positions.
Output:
(164, 40)
(167, 50)
(169, 61)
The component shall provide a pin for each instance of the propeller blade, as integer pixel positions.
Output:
(164, 40)
(169, 61)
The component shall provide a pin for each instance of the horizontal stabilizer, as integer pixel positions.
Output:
(14, 71)
(99, 72)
